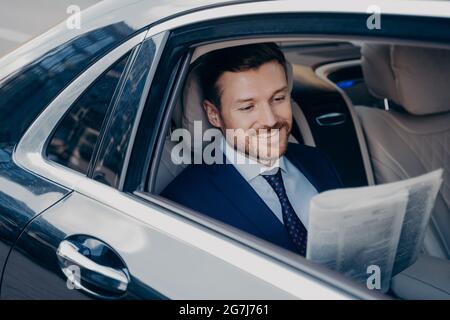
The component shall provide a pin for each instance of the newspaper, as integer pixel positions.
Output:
(351, 230)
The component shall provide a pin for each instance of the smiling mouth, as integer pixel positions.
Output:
(268, 134)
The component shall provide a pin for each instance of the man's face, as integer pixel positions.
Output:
(257, 103)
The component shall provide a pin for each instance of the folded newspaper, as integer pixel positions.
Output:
(351, 230)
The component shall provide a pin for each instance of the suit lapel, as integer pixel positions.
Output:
(245, 199)
(295, 160)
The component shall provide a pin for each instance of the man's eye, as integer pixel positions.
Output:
(280, 98)
(246, 108)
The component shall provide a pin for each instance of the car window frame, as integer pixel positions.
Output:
(31, 148)
(129, 55)
(342, 31)
(240, 22)
(262, 247)
(141, 74)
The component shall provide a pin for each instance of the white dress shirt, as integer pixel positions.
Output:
(298, 189)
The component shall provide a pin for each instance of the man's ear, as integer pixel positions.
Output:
(213, 114)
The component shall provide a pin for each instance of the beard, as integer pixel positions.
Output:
(265, 145)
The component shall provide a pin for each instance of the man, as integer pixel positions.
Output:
(265, 184)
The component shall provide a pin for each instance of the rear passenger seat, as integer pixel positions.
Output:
(406, 144)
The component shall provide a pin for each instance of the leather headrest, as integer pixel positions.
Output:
(417, 78)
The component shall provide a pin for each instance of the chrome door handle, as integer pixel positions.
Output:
(72, 256)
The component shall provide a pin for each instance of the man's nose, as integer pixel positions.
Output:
(267, 117)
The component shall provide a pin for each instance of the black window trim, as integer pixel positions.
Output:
(113, 104)
(159, 40)
(145, 98)
(176, 91)
(130, 54)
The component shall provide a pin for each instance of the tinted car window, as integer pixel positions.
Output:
(25, 93)
(112, 152)
(74, 140)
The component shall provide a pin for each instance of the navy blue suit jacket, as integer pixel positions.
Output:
(219, 191)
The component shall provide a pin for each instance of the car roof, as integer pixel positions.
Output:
(135, 14)
(159, 8)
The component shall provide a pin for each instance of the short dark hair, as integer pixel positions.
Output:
(235, 59)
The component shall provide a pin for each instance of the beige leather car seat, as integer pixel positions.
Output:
(406, 144)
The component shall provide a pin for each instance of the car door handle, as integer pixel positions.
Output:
(84, 272)
(331, 119)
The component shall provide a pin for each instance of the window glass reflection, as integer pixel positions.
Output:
(74, 140)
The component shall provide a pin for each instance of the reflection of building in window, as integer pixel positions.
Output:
(26, 93)
(112, 153)
(74, 140)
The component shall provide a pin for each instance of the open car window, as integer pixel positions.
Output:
(350, 81)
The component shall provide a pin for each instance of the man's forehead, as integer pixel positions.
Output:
(268, 79)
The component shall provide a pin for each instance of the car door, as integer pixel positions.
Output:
(109, 238)
(99, 242)
(30, 78)
(70, 144)
(181, 40)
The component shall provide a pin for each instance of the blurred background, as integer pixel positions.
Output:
(21, 20)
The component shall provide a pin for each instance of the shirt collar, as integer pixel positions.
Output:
(248, 167)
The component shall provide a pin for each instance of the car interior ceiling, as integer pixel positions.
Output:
(330, 107)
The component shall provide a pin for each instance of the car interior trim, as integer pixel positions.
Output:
(323, 72)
